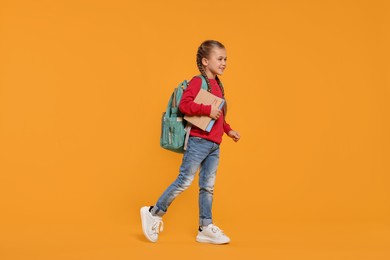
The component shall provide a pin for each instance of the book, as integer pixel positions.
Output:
(206, 98)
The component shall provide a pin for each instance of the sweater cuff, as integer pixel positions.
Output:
(226, 128)
(206, 110)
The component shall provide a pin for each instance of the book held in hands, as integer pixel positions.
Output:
(206, 98)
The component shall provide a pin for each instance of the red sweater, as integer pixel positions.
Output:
(188, 107)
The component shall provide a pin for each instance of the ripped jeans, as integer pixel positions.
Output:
(202, 154)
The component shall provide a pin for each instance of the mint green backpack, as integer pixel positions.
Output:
(174, 129)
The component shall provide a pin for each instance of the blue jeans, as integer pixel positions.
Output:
(202, 154)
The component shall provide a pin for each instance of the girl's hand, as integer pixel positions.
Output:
(215, 112)
(234, 135)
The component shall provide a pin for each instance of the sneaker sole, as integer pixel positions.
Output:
(207, 240)
(142, 212)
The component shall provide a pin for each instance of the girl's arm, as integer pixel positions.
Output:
(230, 132)
(187, 105)
(226, 127)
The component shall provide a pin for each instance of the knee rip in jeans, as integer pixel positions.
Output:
(207, 189)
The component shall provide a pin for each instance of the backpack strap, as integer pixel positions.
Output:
(204, 83)
(188, 130)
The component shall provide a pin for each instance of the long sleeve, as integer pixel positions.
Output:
(226, 127)
(187, 105)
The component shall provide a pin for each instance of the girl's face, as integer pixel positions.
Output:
(215, 64)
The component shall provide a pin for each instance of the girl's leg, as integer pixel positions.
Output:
(197, 150)
(207, 176)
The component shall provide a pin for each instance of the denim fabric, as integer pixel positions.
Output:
(202, 154)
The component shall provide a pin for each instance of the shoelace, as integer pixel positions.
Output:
(158, 226)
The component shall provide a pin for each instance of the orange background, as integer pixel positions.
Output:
(83, 85)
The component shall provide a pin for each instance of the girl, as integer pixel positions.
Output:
(202, 150)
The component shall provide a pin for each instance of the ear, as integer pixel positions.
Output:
(205, 62)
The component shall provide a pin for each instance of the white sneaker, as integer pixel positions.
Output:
(212, 234)
(151, 225)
